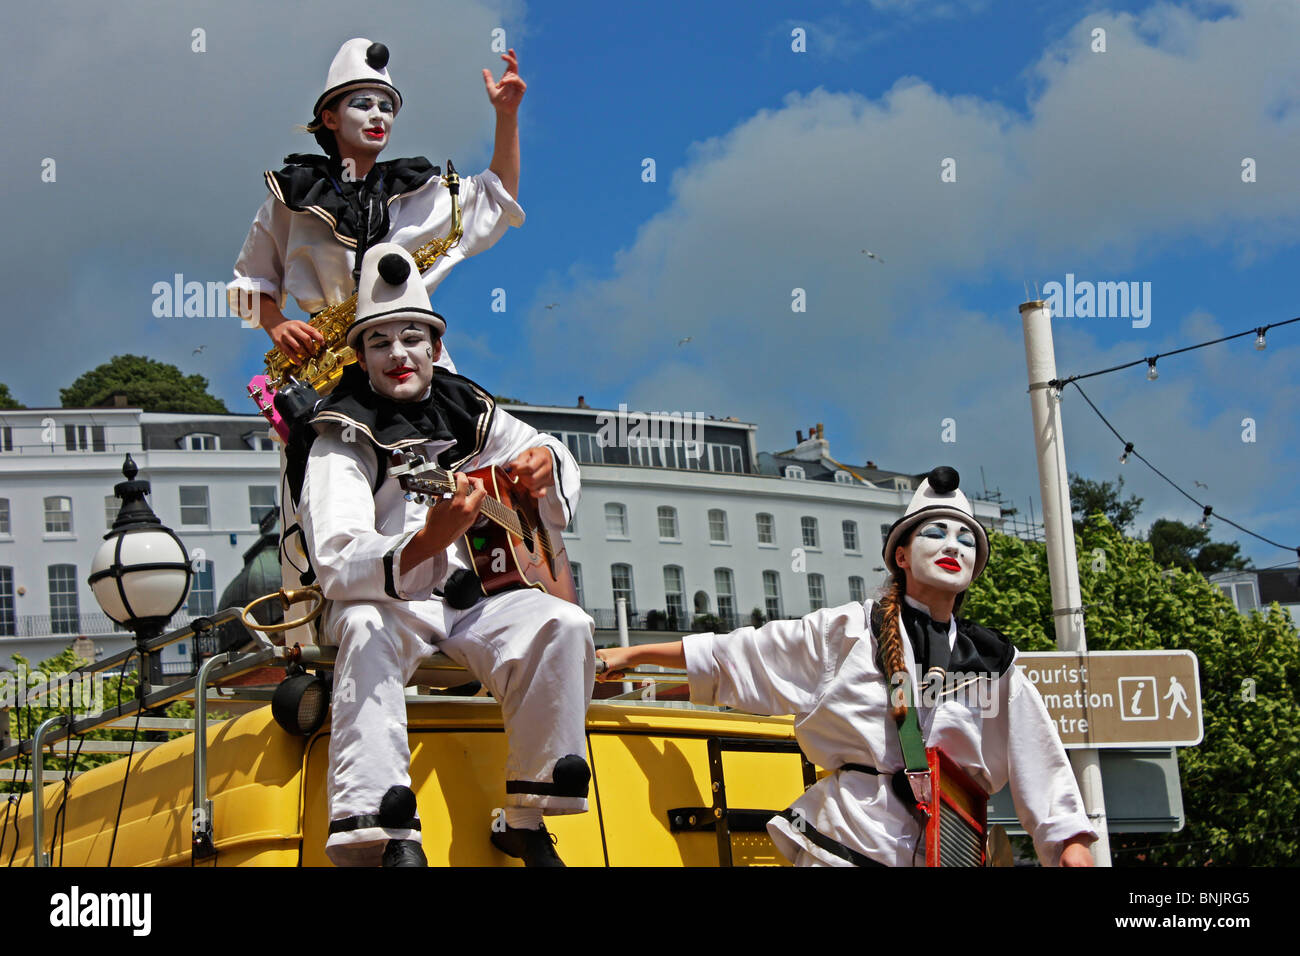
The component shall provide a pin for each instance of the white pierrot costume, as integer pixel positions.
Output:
(300, 245)
(533, 652)
(823, 669)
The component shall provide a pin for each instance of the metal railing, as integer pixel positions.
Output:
(71, 626)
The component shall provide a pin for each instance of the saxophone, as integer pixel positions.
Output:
(323, 370)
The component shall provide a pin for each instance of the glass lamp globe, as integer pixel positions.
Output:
(141, 573)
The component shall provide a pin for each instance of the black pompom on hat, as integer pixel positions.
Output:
(393, 269)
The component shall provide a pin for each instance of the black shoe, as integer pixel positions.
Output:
(404, 853)
(534, 847)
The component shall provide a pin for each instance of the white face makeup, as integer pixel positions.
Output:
(398, 357)
(363, 121)
(941, 555)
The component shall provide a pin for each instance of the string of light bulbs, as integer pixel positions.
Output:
(1261, 343)
(1130, 449)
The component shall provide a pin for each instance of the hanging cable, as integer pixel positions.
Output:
(1206, 509)
(1151, 360)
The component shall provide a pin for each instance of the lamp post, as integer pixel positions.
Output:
(141, 573)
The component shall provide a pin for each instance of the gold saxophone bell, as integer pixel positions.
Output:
(288, 597)
(323, 370)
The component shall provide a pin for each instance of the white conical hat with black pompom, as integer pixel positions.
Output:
(938, 497)
(391, 288)
(358, 64)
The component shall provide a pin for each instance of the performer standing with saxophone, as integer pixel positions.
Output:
(323, 212)
(310, 234)
(848, 675)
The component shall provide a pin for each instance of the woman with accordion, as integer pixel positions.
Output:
(877, 686)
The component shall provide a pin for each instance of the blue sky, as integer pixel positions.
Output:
(774, 168)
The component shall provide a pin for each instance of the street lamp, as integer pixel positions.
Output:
(141, 573)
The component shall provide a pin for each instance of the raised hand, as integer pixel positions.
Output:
(507, 93)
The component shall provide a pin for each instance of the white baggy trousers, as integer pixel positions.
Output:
(532, 651)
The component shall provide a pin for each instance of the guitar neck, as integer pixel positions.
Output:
(492, 509)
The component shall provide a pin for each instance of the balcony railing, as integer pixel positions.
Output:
(71, 625)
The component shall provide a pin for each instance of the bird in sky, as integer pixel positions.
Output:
(551, 305)
(872, 255)
(1200, 484)
(684, 341)
(199, 349)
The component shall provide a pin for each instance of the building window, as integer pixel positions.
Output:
(772, 595)
(615, 521)
(884, 533)
(766, 529)
(4, 516)
(200, 441)
(577, 582)
(194, 504)
(83, 437)
(724, 584)
(8, 620)
(111, 505)
(850, 529)
(621, 577)
(572, 527)
(261, 502)
(903, 484)
(203, 594)
(675, 597)
(844, 478)
(58, 515)
(717, 526)
(258, 441)
(583, 446)
(816, 591)
(663, 453)
(726, 458)
(808, 525)
(667, 523)
(794, 471)
(857, 589)
(64, 618)
(7, 438)
(1241, 594)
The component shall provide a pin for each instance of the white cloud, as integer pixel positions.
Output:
(1115, 156)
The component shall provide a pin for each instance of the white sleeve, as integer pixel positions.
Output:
(487, 210)
(778, 668)
(260, 266)
(353, 561)
(509, 437)
(1048, 802)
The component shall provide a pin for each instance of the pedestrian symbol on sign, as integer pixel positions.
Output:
(1138, 699)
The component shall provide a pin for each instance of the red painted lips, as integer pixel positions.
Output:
(948, 564)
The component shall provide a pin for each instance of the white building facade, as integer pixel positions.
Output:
(212, 477)
(680, 515)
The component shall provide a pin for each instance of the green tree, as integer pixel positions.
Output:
(1178, 545)
(147, 384)
(1241, 785)
(1101, 497)
(7, 400)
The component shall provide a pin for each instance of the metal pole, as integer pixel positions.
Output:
(620, 612)
(38, 788)
(1058, 530)
(201, 842)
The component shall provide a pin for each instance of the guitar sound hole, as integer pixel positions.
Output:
(528, 532)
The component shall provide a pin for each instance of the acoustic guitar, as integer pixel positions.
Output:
(510, 545)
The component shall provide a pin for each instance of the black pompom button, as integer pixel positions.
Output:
(394, 269)
(377, 56)
(944, 480)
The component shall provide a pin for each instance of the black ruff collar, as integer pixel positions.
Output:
(457, 410)
(315, 184)
(977, 649)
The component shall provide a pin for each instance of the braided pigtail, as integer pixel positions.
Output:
(890, 655)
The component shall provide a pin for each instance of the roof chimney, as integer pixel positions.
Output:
(798, 436)
(821, 432)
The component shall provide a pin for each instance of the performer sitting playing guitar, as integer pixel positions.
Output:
(389, 567)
